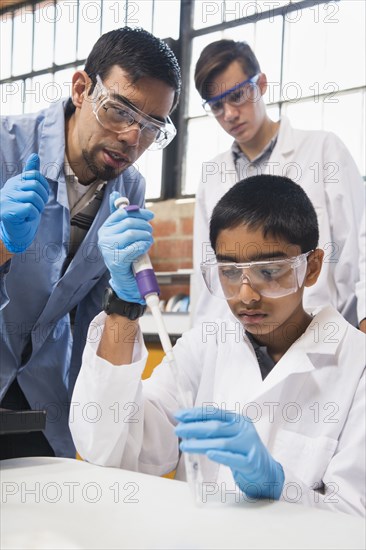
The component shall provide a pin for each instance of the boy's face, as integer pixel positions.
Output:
(262, 315)
(105, 153)
(244, 121)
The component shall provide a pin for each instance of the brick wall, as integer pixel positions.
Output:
(173, 236)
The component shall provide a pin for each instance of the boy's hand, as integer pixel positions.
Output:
(22, 201)
(123, 237)
(232, 440)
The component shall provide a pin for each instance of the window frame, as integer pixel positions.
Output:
(175, 156)
(191, 33)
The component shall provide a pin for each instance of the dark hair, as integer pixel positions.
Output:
(216, 57)
(276, 204)
(139, 53)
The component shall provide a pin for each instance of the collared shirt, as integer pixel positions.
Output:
(245, 167)
(265, 361)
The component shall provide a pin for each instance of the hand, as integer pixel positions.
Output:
(22, 201)
(123, 237)
(362, 326)
(232, 440)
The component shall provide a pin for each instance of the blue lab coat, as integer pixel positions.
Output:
(38, 345)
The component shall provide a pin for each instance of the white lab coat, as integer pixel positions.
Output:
(309, 411)
(361, 285)
(322, 165)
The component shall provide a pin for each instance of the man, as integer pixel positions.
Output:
(230, 81)
(59, 167)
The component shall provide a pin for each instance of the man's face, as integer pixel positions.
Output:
(261, 315)
(105, 153)
(242, 122)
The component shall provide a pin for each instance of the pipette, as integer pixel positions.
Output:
(149, 290)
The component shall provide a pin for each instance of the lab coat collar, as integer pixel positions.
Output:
(285, 141)
(226, 166)
(315, 349)
(52, 148)
(324, 334)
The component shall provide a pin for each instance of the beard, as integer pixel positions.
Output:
(104, 173)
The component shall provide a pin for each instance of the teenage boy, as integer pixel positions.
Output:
(229, 79)
(59, 167)
(279, 394)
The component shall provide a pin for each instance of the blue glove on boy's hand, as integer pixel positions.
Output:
(22, 201)
(123, 237)
(232, 440)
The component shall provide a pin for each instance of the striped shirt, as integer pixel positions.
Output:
(246, 168)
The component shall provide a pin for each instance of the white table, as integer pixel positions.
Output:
(49, 503)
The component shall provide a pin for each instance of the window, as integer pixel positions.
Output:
(312, 52)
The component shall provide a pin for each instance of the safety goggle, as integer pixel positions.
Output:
(270, 278)
(238, 95)
(119, 116)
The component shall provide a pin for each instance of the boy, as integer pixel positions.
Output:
(278, 394)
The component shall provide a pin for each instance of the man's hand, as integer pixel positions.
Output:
(22, 201)
(232, 440)
(124, 237)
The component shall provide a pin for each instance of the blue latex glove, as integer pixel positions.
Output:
(22, 201)
(123, 237)
(232, 440)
